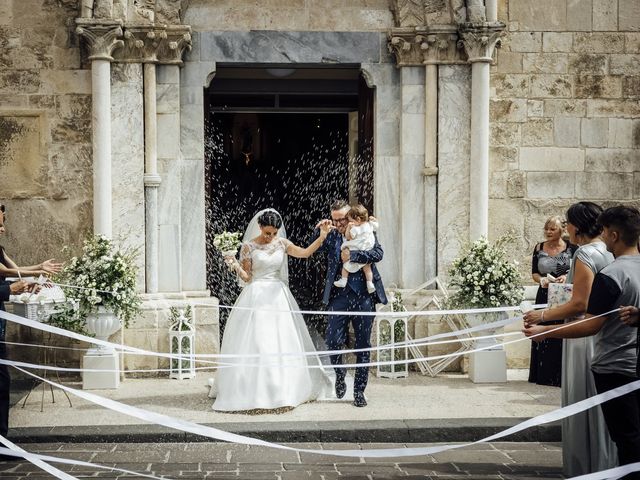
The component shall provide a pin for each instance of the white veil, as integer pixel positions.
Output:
(253, 230)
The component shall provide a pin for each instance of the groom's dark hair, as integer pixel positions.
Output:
(339, 205)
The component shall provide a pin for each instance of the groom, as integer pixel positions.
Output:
(353, 298)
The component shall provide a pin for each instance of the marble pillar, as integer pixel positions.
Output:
(102, 39)
(412, 157)
(430, 172)
(151, 179)
(479, 43)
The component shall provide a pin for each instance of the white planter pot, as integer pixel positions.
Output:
(476, 319)
(102, 325)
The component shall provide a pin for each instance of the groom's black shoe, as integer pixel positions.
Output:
(341, 387)
(358, 399)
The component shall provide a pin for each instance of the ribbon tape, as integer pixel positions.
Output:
(217, 434)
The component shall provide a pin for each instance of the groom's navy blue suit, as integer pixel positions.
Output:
(353, 298)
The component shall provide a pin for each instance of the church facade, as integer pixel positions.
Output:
(481, 117)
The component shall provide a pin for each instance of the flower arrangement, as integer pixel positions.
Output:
(227, 242)
(484, 277)
(105, 276)
(174, 318)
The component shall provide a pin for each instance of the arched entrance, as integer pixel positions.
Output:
(289, 137)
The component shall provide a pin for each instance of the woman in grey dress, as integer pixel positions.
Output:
(586, 445)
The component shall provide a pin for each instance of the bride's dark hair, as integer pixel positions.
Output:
(270, 219)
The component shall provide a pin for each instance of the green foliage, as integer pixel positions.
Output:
(484, 277)
(106, 276)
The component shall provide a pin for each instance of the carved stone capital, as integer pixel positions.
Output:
(440, 46)
(480, 41)
(102, 37)
(154, 44)
(423, 46)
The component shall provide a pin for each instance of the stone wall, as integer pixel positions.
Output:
(320, 15)
(564, 109)
(45, 130)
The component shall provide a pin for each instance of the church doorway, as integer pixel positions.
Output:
(293, 139)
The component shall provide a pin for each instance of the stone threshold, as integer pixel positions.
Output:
(370, 431)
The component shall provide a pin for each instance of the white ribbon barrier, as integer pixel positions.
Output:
(63, 332)
(217, 434)
(425, 341)
(36, 459)
(14, 450)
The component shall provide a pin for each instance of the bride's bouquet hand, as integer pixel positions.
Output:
(231, 262)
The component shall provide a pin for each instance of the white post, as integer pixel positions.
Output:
(102, 39)
(101, 118)
(430, 171)
(479, 43)
(492, 11)
(151, 178)
(479, 163)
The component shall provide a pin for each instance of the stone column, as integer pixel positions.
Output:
(492, 11)
(479, 43)
(412, 207)
(102, 39)
(151, 178)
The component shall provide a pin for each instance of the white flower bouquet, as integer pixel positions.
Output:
(484, 277)
(103, 276)
(228, 243)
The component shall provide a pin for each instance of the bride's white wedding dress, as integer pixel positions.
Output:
(267, 381)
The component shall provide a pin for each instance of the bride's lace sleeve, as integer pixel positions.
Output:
(245, 253)
(286, 243)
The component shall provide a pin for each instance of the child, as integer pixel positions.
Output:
(359, 236)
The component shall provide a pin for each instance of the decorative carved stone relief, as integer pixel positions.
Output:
(437, 45)
(413, 13)
(102, 37)
(155, 44)
(480, 41)
(143, 11)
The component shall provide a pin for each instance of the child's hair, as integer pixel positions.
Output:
(358, 212)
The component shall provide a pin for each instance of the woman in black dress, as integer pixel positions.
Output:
(551, 257)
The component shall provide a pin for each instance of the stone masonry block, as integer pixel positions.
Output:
(548, 185)
(605, 15)
(509, 62)
(565, 108)
(598, 86)
(594, 132)
(498, 184)
(504, 134)
(584, 63)
(511, 85)
(513, 110)
(617, 160)
(604, 186)
(545, 62)
(631, 42)
(516, 182)
(523, 42)
(537, 133)
(551, 159)
(535, 108)
(631, 86)
(598, 42)
(628, 15)
(636, 185)
(566, 131)
(542, 15)
(620, 133)
(554, 86)
(625, 64)
(557, 42)
(503, 158)
(613, 108)
(579, 14)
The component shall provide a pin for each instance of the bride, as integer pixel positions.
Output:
(264, 326)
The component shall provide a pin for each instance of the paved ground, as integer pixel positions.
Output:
(226, 461)
(416, 398)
